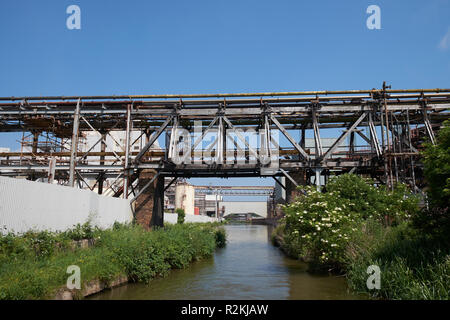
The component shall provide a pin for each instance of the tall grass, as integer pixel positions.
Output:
(413, 266)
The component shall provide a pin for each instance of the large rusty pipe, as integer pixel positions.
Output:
(206, 102)
(225, 95)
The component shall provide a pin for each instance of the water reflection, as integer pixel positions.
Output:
(248, 268)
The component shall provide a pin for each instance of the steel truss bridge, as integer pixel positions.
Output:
(393, 124)
(235, 190)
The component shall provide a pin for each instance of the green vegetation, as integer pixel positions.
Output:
(80, 232)
(319, 226)
(413, 265)
(355, 224)
(181, 215)
(221, 238)
(437, 168)
(34, 265)
(435, 220)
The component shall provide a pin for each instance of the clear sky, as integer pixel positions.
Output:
(146, 47)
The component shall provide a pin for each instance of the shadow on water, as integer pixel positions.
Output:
(248, 268)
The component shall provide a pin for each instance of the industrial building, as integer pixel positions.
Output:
(209, 200)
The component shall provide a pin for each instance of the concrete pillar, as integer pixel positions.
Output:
(34, 149)
(300, 177)
(317, 172)
(185, 198)
(149, 208)
(101, 178)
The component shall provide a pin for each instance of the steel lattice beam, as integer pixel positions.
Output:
(374, 115)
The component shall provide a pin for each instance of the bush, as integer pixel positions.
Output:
(80, 232)
(181, 215)
(318, 226)
(31, 244)
(221, 238)
(372, 202)
(435, 219)
(436, 160)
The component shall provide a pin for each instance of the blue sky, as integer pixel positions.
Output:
(145, 47)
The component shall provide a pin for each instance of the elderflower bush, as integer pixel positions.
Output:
(319, 225)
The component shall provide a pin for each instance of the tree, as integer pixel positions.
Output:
(435, 220)
(437, 168)
(181, 215)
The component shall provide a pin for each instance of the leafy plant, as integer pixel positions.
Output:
(221, 238)
(82, 231)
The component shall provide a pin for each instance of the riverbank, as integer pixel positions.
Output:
(412, 266)
(355, 225)
(34, 265)
(250, 267)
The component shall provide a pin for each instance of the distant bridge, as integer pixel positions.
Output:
(235, 190)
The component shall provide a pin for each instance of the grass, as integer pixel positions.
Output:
(34, 265)
(413, 266)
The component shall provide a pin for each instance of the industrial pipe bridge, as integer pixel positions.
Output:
(390, 125)
(235, 190)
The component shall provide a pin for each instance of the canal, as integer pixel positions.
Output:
(249, 267)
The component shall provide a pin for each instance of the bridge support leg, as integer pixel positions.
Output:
(158, 204)
(300, 177)
(149, 209)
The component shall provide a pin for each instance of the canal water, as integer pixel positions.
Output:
(249, 267)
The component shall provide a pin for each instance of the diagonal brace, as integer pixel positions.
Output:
(289, 137)
(153, 139)
(240, 137)
(341, 139)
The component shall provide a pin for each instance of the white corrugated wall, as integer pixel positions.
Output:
(26, 205)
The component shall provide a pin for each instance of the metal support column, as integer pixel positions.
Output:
(74, 145)
(126, 179)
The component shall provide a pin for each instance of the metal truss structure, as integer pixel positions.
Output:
(393, 124)
(235, 190)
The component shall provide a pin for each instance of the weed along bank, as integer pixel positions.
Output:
(35, 265)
